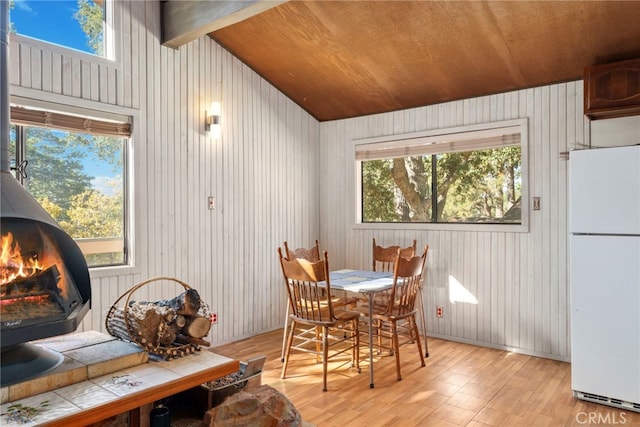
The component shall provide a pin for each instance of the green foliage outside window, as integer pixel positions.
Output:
(482, 186)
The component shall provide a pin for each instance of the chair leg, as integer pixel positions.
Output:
(379, 334)
(355, 352)
(413, 324)
(325, 356)
(292, 328)
(424, 325)
(396, 347)
(284, 333)
(319, 344)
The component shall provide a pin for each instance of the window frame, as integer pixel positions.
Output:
(448, 134)
(108, 36)
(107, 112)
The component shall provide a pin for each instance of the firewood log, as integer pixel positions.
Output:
(180, 321)
(197, 326)
(143, 325)
(187, 303)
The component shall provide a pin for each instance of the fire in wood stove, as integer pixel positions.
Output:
(34, 286)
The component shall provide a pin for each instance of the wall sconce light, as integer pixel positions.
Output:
(212, 120)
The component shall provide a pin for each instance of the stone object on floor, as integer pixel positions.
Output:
(263, 406)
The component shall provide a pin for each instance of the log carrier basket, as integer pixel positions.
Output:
(158, 327)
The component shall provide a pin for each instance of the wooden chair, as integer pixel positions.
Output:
(398, 318)
(384, 259)
(315, 325)
(311, 254)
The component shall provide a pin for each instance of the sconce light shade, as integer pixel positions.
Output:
(212, 120)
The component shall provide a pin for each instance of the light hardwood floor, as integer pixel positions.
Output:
(462, 385)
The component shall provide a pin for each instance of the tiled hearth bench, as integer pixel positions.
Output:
(102, 379)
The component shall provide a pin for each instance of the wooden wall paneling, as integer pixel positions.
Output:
(36, 68)
(553, 216)
(56, 73)
(179, 195)
(126, 55)
(14, 65)
(276, 205)
(528, 307)
(160, 199)
(25, 65)
(485, 308)
(184, 158)
(122, 21)
(249, 202)
(199, 270)
(137, 42)
(112, 90)
(85, 80)
(234, 227)
(263, 253)
(151, 182)
(163, 201)
(472, 284)
(94, 82)
(216, 183)
(76, 78)
(539, 170)
(46, 73)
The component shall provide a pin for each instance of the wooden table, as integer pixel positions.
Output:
(365, 282)
(104, 397)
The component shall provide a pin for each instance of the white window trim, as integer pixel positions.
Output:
(109, 38)
(432, 135)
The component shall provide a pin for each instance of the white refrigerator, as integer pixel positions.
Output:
(604, 190)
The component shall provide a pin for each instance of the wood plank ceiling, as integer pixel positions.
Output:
(340, 59)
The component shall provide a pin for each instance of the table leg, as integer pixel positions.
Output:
(370, 295)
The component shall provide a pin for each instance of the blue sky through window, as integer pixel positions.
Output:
(50, 21)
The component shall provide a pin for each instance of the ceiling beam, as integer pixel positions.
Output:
(184, 21)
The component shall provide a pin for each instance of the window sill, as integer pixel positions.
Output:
(115, 270)
(506, 228)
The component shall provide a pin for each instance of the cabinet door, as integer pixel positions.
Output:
(612, 90)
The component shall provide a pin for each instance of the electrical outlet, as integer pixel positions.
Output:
(213, 317)
(439, 311)
(211, 203)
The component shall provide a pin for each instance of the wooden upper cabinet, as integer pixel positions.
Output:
(612, 90)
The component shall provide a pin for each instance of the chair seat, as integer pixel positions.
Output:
(347, 315)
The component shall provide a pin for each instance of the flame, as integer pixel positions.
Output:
(12, 263)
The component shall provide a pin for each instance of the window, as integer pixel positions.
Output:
(79, 24)
(75, 168)
(463, 175)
